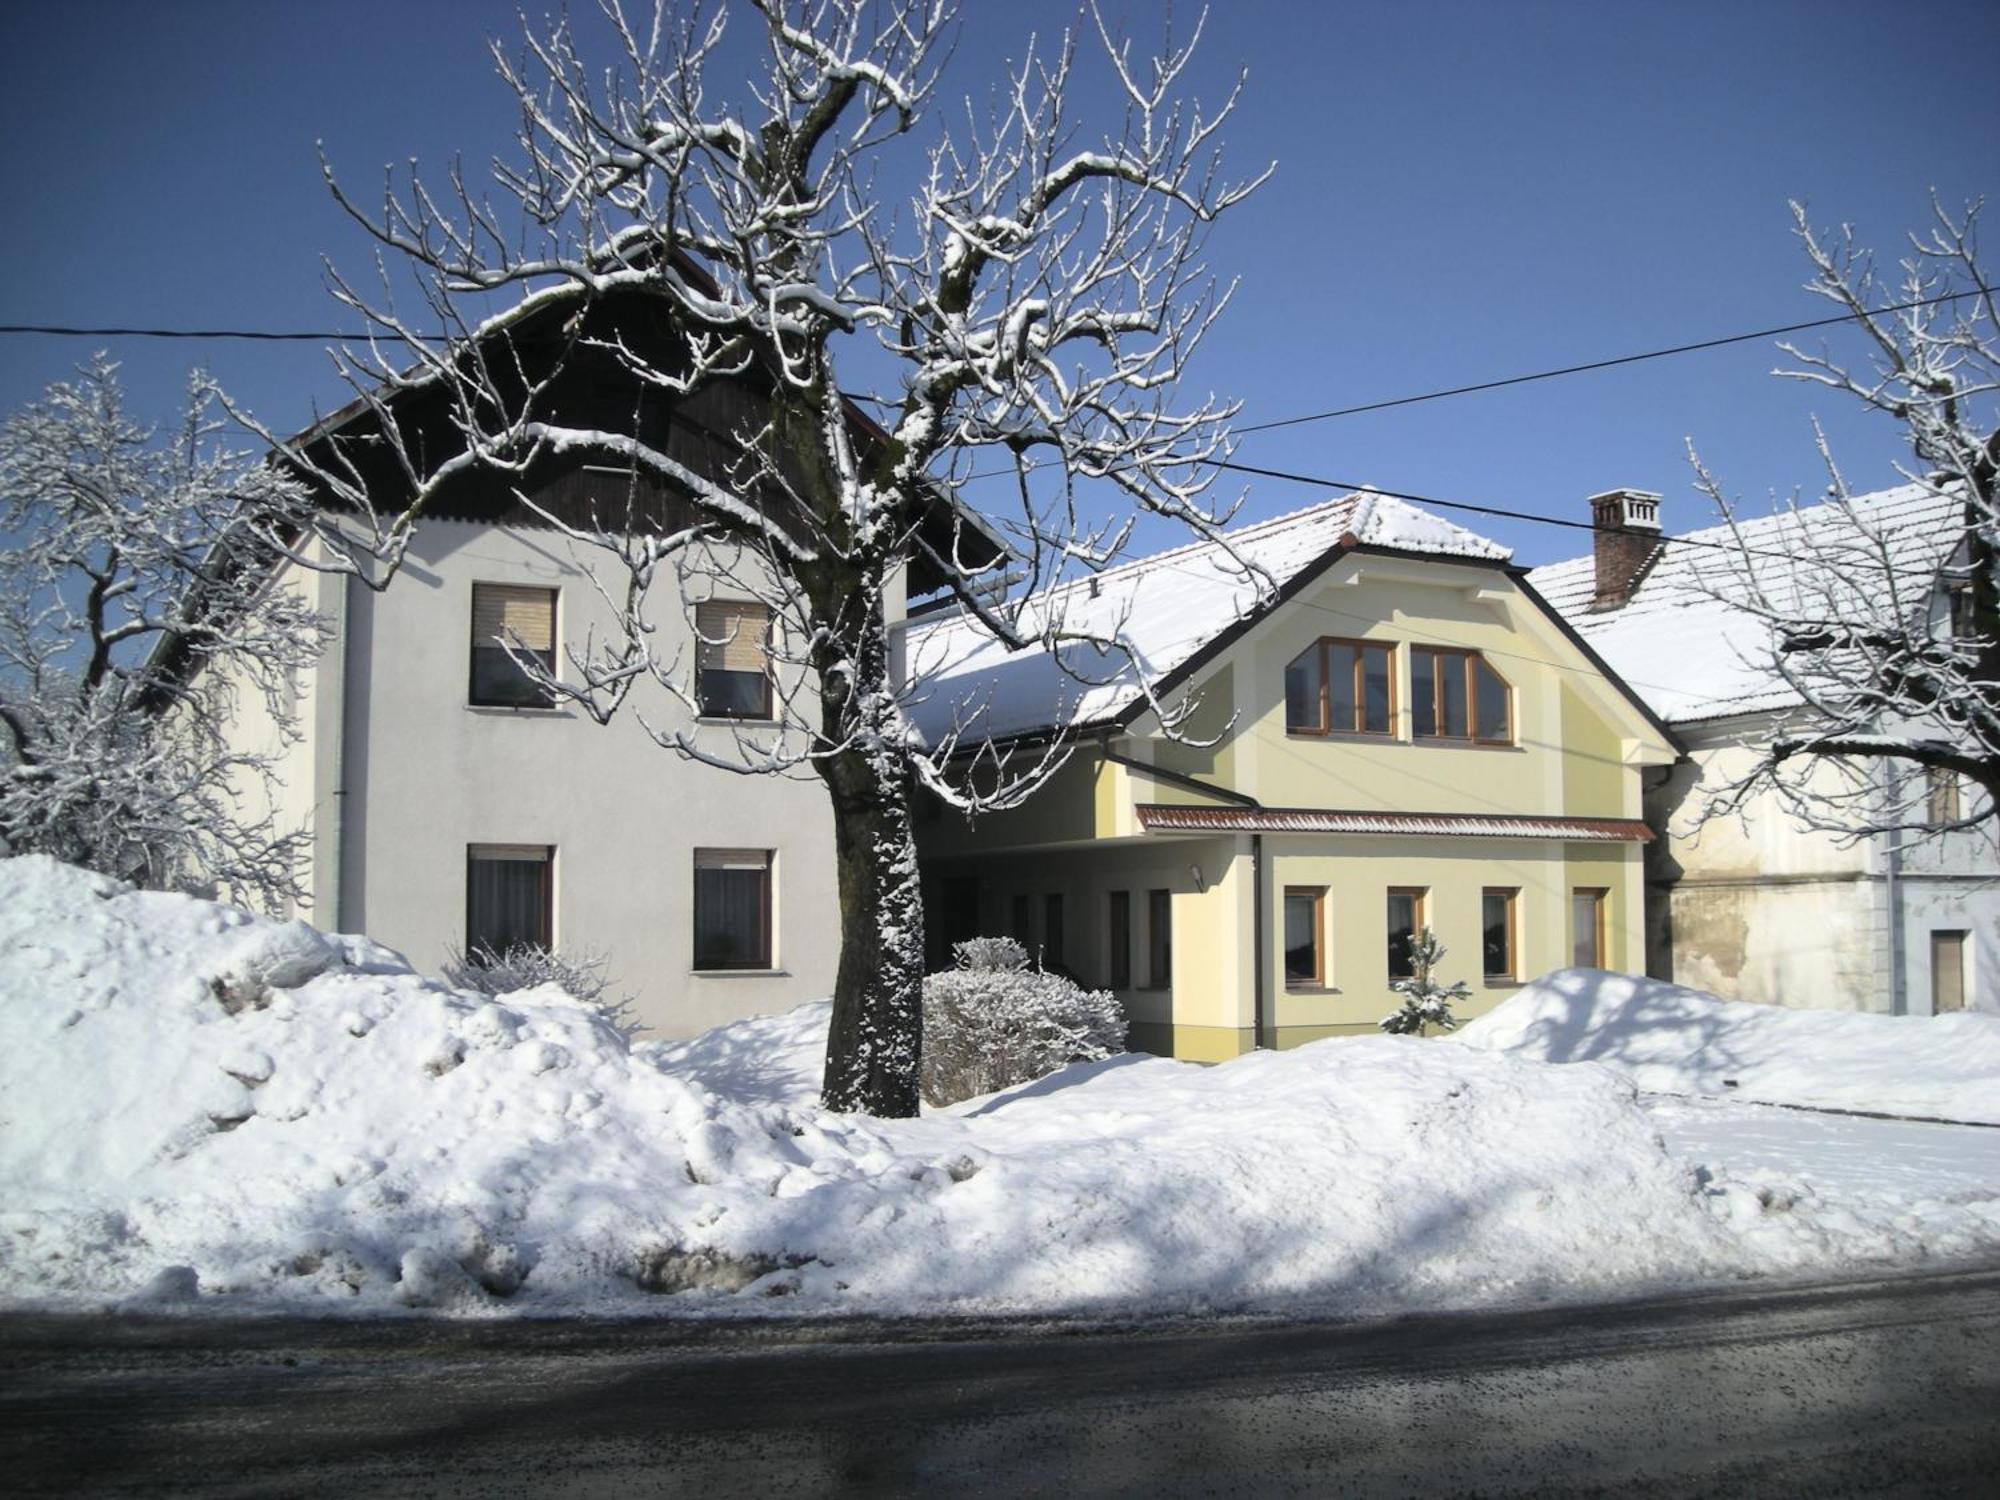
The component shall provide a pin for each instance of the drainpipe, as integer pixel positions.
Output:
(333, 726)
(1892, 897)
(1262, 1024)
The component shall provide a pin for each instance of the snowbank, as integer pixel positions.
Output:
(197, 1106)
(1667, 1039)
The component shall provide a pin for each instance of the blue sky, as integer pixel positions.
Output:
(1463, 191)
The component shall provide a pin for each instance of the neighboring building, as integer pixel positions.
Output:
(453, 808)
(1404, 736)
(1757, 907)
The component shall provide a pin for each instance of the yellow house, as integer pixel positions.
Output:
(1377, 727)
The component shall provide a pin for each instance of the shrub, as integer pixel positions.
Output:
(1425, 1001)
(993, 1022)
(523, 966)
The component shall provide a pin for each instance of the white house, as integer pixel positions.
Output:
(1757, 907)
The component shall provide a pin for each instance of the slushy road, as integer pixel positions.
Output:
(1882, 1387)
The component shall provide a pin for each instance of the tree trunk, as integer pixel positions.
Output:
(875, 1042)
(873, 1046)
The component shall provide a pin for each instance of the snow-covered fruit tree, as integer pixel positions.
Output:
(137, 614)
(1005, 289)
(583, 976)
(1889, 640)
(992, 1022)
(1426, 1002)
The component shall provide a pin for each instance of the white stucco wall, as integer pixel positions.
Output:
(425, 775)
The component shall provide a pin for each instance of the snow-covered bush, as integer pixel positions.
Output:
(527, 966)
(1425, 1001)
(993, 1022)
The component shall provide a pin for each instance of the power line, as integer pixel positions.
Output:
(1612, 363)
(260, 335)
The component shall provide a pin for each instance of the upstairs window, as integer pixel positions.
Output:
(509, 615)
(508, 897)
(733, 672)
(1942, 804)
(1456, 695)
(1341, 687)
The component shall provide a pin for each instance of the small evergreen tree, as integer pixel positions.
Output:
(1425, 1001)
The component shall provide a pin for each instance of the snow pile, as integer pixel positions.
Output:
(1667, 1039)
(197, 1105)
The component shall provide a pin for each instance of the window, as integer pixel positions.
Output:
(1947, 971)
(1052, 930)
(1496, 919)
(1456, 695)
(732, 909)
(1942, 805)
(1341, 687)
(1406, 920)
(508, 897)
(733, 678)
(1964, 619)
(503, 615)
(1121, 940)
(1159, 940)
(1586, 927)
(1305, 955)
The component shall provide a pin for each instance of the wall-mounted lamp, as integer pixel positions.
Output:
(1200, 884)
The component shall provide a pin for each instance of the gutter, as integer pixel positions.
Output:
(1263, 1025)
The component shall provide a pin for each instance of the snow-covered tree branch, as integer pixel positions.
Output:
(138, 612)
(1030, 304)
(1887, 635)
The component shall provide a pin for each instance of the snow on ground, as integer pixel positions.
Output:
(1667, 1039)
(198, 1107)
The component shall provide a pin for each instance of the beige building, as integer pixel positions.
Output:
(1383, 729)
(1757, 906)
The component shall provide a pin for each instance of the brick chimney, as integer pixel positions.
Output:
(1627, 526)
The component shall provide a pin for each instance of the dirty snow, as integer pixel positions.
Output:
(1164, 608)
(201, 1108)
(1668, 1039)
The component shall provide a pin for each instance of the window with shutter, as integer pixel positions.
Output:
(734, 666)
(508, 615)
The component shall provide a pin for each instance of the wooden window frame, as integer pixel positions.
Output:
(1159, 939)
(766, 934)
(1601, 937)
(544, 699)
(1469, 676)
(1420, 901)
(765, 712)
(1326, 730)
(1317, 980)
(1118, 935)
(1944, 798)
(1961, 939)
(1512, 895)
(484, 853)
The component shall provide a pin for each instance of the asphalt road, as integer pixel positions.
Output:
(1867, 1388)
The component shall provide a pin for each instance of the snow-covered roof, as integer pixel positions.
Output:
(1692, 656)
(1165, 608)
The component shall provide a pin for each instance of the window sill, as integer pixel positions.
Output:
(1313, 989)
(741, 973)
(1347, 736)
(1445, 742)
(1499, 982)
(734, 722)
(520, 711)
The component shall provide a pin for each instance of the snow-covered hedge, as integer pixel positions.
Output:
(993, 1022)
(526, 966)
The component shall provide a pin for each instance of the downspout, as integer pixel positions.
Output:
(333, 726)
(1892, 897)
(1263, 1031)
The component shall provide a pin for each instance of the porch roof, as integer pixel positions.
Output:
(1156, 817)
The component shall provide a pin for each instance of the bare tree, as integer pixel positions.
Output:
(1027, 308)
(1885, 628)
(137, 608)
